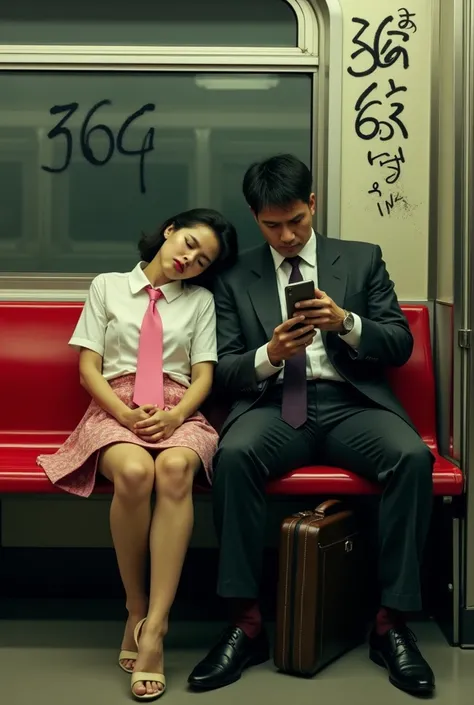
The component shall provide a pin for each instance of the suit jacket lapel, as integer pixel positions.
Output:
(263, 291)
(332, 273)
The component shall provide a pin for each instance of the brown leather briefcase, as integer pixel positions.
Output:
(321, 607)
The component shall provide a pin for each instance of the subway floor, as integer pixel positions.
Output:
(69, 658)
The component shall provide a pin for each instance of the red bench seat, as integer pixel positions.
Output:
(42, 402)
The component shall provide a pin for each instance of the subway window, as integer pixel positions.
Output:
(111, 120)
(141, 22)
(89, 161)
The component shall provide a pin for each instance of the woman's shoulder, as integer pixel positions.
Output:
(199, 294)
(104, 279)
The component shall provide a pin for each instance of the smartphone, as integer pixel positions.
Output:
(300, 291)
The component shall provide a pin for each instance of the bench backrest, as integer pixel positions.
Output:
(40, 379)
(40, 374)
(414, 383)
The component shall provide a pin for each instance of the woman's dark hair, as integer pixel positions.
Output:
(277, 181)
(149, 245)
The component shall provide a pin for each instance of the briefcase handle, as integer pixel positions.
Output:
(328, 508)
(325, 509)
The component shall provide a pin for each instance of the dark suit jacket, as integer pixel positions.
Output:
(353, 274)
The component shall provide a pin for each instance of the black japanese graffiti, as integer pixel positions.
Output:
(387, 207)
(382, 52)
(406, 21)
(367, 127)
(86, 132)
(381, 117)
(392, 162)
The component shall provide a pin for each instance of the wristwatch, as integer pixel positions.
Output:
(347, 323)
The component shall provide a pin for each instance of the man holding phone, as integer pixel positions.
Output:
(307, 388)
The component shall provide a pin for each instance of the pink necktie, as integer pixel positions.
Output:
(149, 376)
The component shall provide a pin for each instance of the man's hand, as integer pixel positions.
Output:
(287, 341)
(322, 312)
(158, 426)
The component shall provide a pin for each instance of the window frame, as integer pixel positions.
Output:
(121, 56)
(318, 53)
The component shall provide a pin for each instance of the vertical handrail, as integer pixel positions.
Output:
(467, 301)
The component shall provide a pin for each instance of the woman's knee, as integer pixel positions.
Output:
(134, 479)
(174, 475)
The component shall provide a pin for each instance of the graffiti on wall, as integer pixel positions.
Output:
(379, 109)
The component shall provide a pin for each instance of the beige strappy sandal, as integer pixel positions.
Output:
(124, 655)
(142, 676)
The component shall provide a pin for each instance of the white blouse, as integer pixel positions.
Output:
(112, 316)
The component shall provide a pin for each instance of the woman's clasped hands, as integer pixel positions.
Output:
(152, 423)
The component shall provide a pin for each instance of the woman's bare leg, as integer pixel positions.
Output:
(132, 471)
(171, 530)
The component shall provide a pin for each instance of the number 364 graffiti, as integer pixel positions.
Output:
(113, 143)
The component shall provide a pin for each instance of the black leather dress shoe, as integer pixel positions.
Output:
(398, 653)
(224, 664)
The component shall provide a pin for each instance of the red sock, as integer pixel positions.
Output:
(245, 613)
(386, 619)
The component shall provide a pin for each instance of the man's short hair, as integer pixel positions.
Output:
(277, 181)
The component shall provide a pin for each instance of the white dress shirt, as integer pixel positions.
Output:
(318, 365)
(112, 316)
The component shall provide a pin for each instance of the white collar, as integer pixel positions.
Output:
(308, 253)
(138, 281)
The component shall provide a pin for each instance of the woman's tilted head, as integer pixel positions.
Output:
(196, 244)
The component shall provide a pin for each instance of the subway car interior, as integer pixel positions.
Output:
(115, 116)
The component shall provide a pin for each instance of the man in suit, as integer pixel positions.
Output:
(307, 395)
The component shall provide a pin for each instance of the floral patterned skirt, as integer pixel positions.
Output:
(73, 467)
